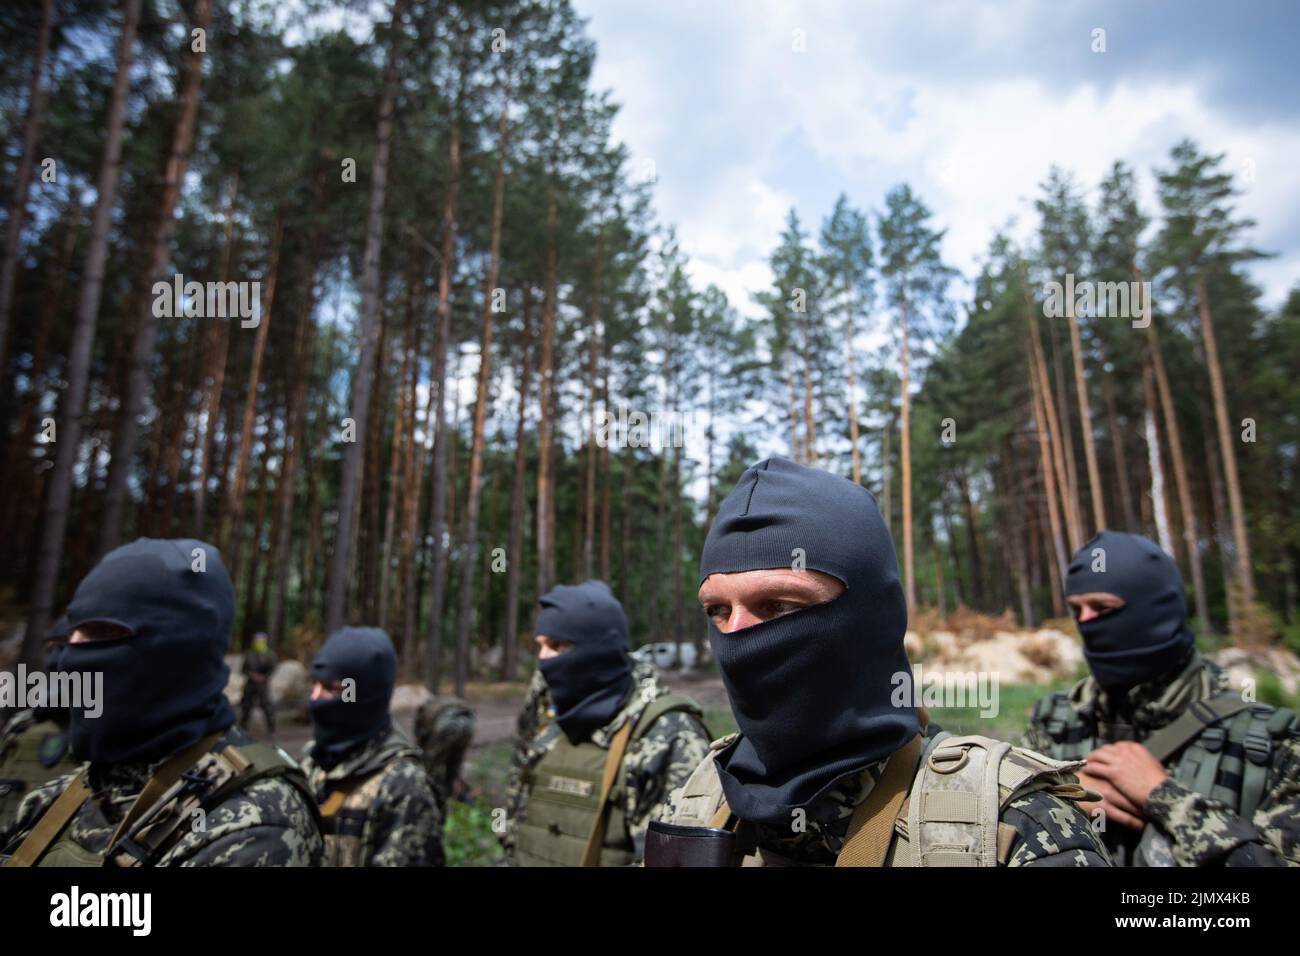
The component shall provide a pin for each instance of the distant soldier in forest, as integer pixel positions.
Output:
(444, 729)
(34, 744)
(832, 767)
(599, 763)
(258, 666)
(153, 619)
(1190, 772)
(377, 804)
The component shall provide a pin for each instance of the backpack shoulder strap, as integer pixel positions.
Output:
(871, 829)
(960, 790)
(1266, 724)
(1168, 740)
(663, 705)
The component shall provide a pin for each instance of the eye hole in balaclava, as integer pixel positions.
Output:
(753, 597)
(812, 691)
(589, 682)
(1148, 636)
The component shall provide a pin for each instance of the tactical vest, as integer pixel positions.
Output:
(33, 753)
(1227, 760)
(949, 815)
(346, 809)
(564, 798)
(200, 777)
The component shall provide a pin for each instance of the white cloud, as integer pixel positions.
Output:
(741, 126)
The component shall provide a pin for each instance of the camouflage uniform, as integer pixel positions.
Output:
(389, 815)
(266, 823)
(1049, 830)
(444, 729)
(654, 765)
(32, 753)
(1201, 830)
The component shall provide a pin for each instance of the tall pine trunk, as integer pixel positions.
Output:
(475, 477)
(905, 452)
(232, 536)
(59, 495)
(1236, 511)
(515, 562)
(1085, 423)
(546, 425)
(128, 431)
(336, 588)
(36, 101)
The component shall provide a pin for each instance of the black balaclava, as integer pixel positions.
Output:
(342, 724)
(811, 691)
(164, 685)
(589, 682)
(56, 637)
(1149, 635)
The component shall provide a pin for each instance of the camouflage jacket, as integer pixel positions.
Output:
(266, 823)
(393, 813)
(1050, 831)
(1202, 831)
(654, 766)
(32, 753)
(444, 730)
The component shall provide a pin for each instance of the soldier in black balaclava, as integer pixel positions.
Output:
(149, 626)
(1190, 772)
(378, 805)
(800, 585)
(614, 721)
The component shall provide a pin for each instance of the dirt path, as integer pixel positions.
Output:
(497, 709)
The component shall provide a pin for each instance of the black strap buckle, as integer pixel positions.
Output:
(1204, 713)
(130, 848)
(1259, 747)
(1213, 739)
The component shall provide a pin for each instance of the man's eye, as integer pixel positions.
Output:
(780, 608)
(715, 610)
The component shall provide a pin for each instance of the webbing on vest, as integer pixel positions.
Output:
(70, 801)
(162, 781)
(872, 825)
(51, 823)
(339, 792)
(591, 853)
(1167, 741)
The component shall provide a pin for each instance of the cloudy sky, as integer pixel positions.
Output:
(970, 102)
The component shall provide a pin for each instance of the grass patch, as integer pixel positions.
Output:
(468, 838)
(1015, 703)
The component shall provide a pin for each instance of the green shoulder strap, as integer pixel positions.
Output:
(1265, 724)
(663, 705)
(1167, 741)
(269, 761)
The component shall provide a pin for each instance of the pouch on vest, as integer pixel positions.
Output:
(671, 844)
